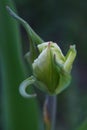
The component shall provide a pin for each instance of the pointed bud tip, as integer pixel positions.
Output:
(49, 44)
(72, 46)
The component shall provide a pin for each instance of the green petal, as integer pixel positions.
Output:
(70, 57)
(41, 66)
(44, 70)
(64, 82)
(55, 49)
(64, 77)
(22, 88)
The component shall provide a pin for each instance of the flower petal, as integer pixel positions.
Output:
(70, 58)
(65, 77)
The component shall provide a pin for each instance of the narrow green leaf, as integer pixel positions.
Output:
(18, 112)
(31, 33)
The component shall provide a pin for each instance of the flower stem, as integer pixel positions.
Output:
(50, 112)
(53, 120)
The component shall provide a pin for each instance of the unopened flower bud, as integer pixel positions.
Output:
(52, 68)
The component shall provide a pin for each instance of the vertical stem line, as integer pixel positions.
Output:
(50, 112)
(53, 118)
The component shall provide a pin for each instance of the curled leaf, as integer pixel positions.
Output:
(22, 88)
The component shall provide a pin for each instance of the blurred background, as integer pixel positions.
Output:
(64, 22)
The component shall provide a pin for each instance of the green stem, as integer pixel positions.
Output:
(54, 113)
(50, 112)
(53, 118)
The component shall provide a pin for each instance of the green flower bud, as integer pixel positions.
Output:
(52, 68)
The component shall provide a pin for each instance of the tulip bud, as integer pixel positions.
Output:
(52, 68)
